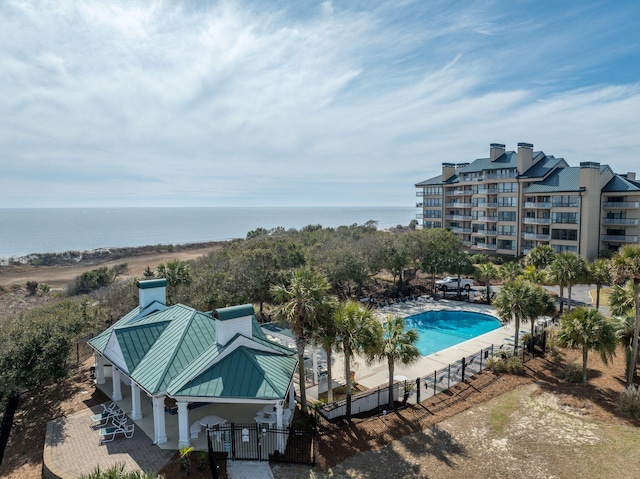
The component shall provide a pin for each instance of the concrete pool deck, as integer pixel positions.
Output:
(372, 376)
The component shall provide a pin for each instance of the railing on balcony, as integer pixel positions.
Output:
(458, 204)
(535, 236)
(458, 217)
(462, 192)
(621, 238)
(419, 193)
(526, 251)
(466, 243)
(419, 216)
(620, 221)
(460, 230)
(491, 233)
(488, 191)
(537, 221)
(532, 204)
(494, 176)
(419, 205)
(485, 246)
(621, 204)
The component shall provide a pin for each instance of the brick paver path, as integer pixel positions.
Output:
(72, 447)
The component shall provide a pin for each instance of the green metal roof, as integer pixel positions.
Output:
(152, 283)
(544, 166)
(508, 159)
(233, 312)
(173, 348)
(135, 341)
(244, 373)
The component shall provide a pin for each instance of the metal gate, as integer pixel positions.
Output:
(252, 442)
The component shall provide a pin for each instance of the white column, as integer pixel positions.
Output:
(314, 358)
(159, 429)
(136, 411)
(183, 424)
(117, 387)
(279, 424)
(292, 397)
(99, 369)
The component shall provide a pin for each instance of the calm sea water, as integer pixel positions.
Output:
(44, 230)
(438, 330)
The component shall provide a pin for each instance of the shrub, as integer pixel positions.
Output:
(571, 373)
(507, 363)
(43, 288)
(118, 472)
(32, 287)
(629, 402)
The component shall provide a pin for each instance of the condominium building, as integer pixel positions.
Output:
(512, 202)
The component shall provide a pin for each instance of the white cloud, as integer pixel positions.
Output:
(243, 103)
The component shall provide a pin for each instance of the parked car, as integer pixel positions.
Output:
(451, 282)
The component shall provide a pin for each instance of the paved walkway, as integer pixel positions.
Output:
(72, 448)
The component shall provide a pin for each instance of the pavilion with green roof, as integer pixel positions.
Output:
(176, 352)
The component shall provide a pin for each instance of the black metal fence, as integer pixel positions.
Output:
(253, 442)
(422, 388)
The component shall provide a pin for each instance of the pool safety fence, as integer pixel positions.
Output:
(422, 388)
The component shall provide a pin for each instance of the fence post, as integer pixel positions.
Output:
(435, 379)
(449, 376)
(418, 390)
(464, 365)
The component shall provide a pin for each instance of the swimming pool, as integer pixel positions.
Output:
(442, 329)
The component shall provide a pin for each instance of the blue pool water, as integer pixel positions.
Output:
(439, 330)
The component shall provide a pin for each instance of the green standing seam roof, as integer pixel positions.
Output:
(152, 283)
(135, 316)
(244, 373)
(135, 341)
(233, 312)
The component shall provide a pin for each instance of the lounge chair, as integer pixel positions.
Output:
(108, 434)
(195, 429)
(103, 418)
(109, 407)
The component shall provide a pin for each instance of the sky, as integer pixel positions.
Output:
(302, 103)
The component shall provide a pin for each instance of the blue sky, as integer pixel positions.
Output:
(278, 103)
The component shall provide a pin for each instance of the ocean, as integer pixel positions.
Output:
(55, 230)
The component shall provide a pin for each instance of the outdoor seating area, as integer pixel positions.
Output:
(115, 416)
(268, 416)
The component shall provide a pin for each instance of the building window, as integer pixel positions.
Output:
(506, 244)
(432, 213)
(566, 218)
(507, 201)
(433, 191)
(565, 235)
(564, 201)
(506, 230)
(432, 201)
(506, 215)
(508, 187)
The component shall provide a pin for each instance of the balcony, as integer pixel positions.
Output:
(537, 221)
(419, 205)
(462, 192)
(488, 191)
(497, 176)
(621, 238)
(526, 251)
(466, 243)
(487, 204)
(491, 233)
(488, 246)
(532, 205)
(458, 204)
(420, 193)
(458, 217)
(461, 230)
(616, 205)
(535, 236)
(620, 221)
(419, 216)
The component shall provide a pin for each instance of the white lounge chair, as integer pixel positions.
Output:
(108, 434)
(109, 407)
(103, 418)
(195, 429)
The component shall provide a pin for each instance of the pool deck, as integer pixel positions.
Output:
(372, 376)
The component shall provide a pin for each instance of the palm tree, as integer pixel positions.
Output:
(510, 271)
(301, 301)
(572, 269)
(537, 276)
(541, 303)
(177, 273)
(486, 272)
(513, 303)
(358, 332)
(626, 266)
(599, 275)
(397, 346)
(558, 273)
(621, 299)
(588, 329)
(624, 325)
(540, 257)
(326, 335)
